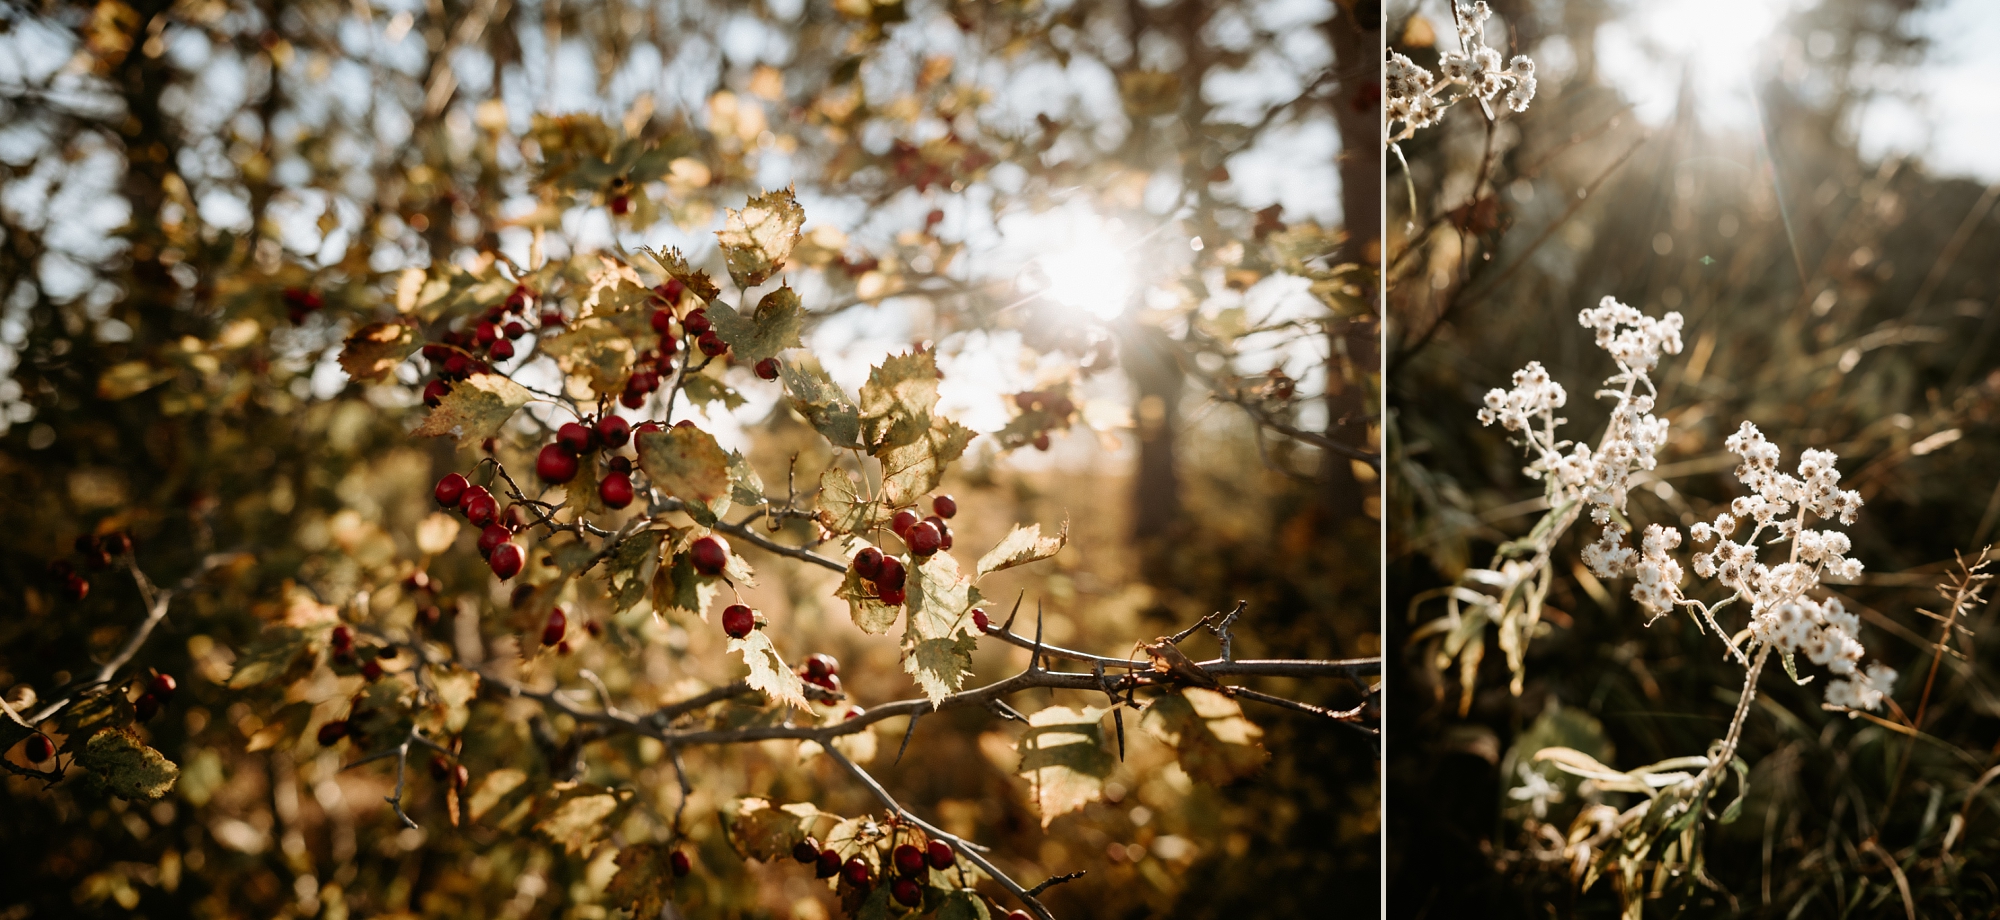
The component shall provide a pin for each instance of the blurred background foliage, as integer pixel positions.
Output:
(1838, 297)
(169, 170)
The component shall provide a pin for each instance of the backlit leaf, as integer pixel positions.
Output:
(1021, 546)
(578, 819)
(375, 349)
(675, 266)
(824, 405)
(1216, 744)
(773, 328)
(125, 767)
(645, 879)
(686, 462)
(768, 672)
(868, 612)
(1064, 759)
(476, 407)
(759, 829)
(595, 350)
(843, 510)
(757, 239)
(912, 470)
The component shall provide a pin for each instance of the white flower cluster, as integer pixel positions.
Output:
(1783, 614)
(1417, 98)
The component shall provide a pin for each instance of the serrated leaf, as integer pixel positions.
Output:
(272, 655)
(645, 879)
(125, 767)
(679, 590)
(757, 239)
(1208, 731)
(476, 407)
(901, 385)
(941, 665)
(1021, 546)
(963, 904)
(578, 819)
(940, 598)
(746, 488)
(914, 469)
(675, 266)
(685, 462)
(629, 568)
(375, 349)
(702, 389)
(823, 404)
(867, 610)
(597, 351)
(773, 328)
(1063, 757)
(759, 829)
(768, 673)
(843, 510)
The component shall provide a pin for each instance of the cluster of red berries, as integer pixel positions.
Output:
(821, 670)
(1056, 410)
(910, 863)
(96, 552)
(618, 196)
(457, 355)
(558, 462)
(496, 535)
(159, 690)
(301, 303)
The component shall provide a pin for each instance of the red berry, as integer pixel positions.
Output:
(162, 686)
(853, 712)
(1018, 915)
(738, 620)
(146, 706)
(645, 381)
(709, 555)
(551, 320)
(493, 535)
(827, 864)
(940, 855)
(893, 574)
(594, 628)
(501, 350)
(696, 325)
(805, 851)
(615, 490)
(768, 368)
(979, 619)
(450, 490)
(900, 524)
(682, 865)
(672, 289)
(944, 506)
(485, 334)
(553, 630)
(434, 352)
(631, 398)
(662, 320)
(343, 640)
(868, 563)
(619, 464)
(506, 560)
(460, 776)
(907, 892)
(76, 587)
(620, 204)
(435, 392)
(480, 507)
(892, 596)
(830, 683)
(514, 329)
(331, 732)
(924, 538)
(943, 529)
(857, 873)
(514, 518)
(371, 670)
(1042, 441)
(685, 423)
(668, 345)
(576, 437)
(711, 344)
(822, 665)
(440, 768)
(614, 431)
(909, 860)
(39, 748)
(457, 366)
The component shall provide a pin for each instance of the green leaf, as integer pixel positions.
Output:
(772, 329)
(1216, 744)
(768, 672)
(904, 385)
(274, 654)
(679, 590)
(823, 404)
(868, 612)
(596, 350)
(757, 239)
(124, 766)
(705, 390)
(911, 470)
(746, 488)
(476, 407)
(876, 906)
(630, 567)
(645, 879)
(375, 349)
(759, 829)
(1021, 546)
(675, 266)
(687, 463)
(579, 818)
(938, 638)
(1064, 759)
(963, 904)
(843, 510)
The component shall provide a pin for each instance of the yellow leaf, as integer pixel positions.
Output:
(476, 407)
